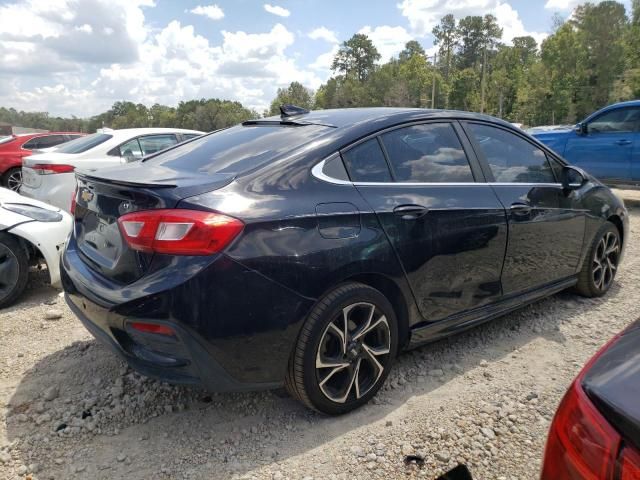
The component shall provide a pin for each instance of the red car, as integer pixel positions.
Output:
(595, 433)
(14, 148)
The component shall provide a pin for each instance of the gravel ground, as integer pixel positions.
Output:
(71, 409)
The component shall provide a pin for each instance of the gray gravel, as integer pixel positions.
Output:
(70, 409)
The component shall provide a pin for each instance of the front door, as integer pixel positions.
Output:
(546, 224)
(448, 231)
(606, 149)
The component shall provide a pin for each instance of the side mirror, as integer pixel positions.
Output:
(573, 178)
(581, 128)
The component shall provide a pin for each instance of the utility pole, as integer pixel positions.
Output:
(483, 81)
(433, 86)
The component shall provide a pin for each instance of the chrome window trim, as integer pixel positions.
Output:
(317, 172)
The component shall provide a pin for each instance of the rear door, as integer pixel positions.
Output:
(546, 224)
(446, 225)
(606, 149)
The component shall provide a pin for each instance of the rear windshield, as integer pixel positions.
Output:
(82, 144)
(237, 149)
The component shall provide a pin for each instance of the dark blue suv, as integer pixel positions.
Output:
(308, 249)
(606, 144)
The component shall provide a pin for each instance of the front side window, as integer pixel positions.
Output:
(621, 120)
(510, 157)
(131, 150)
(155, 143)
(366, 163)
(429, 153)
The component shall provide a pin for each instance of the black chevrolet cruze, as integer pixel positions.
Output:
(310, 248)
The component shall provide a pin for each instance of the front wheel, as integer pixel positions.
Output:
(601, 263)
(14, 270)
(344, 351)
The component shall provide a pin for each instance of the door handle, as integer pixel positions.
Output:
(520, 208)
(410, 212)
(623, 142)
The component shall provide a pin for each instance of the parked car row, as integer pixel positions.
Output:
(35, 223)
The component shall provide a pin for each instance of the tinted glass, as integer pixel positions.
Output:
(511, 158)
(51, 141)
(31, 144)
(427, 153)
(366, 163)
(619, 120)
(334, 168)
(131, 149)
(154, 143)
(237, 149)
(80, 145)
(189, 136)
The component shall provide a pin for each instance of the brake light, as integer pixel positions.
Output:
(51, 168)
(629, 465)
(73, 201)
(581, 443)
(179, 231)
(153, 328)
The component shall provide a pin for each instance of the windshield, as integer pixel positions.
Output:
(82, 144)
(237, 149)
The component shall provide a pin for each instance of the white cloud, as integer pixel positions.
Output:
(388, 40)
(323, 33)
(324, 61)
(276, 10)
(214, 12)
(423, 15)
(571, 4)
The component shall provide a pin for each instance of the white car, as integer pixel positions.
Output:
(29, 232)
(50, 176)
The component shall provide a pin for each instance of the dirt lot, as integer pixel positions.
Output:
(70, 409)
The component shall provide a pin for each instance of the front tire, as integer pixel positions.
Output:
(14, 270)
(344, 351)
(601, 263)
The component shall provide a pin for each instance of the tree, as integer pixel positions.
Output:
(294, 94)
(412, 48)
(356, 58)
(446, 37)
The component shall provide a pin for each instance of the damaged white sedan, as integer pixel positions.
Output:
(30, 232)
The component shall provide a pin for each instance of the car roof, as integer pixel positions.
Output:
(349, 117)
(134, 132)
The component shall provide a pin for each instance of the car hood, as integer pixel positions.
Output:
(555, 139)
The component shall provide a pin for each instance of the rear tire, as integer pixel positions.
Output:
(601, 262)
(14, 270)
(344, 351)
(12, 179)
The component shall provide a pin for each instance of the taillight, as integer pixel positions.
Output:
(629, 465)
(73, 201)
(581, 443)
(179, 231)
(51, 168)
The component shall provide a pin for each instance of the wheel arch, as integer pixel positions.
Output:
(617, 221)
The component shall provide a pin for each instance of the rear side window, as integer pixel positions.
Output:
(511, 158)
(237, 149)
(80, 145)
(31, 144)
(366, 163)
(429, 153)
(131, 150)
(50, 141)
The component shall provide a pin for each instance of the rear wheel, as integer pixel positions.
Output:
(344, 351)
(12, 179)
(14, 270)
(601, 263)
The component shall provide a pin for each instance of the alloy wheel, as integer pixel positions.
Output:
(14, 180)
(605, 261)
(353, 352)
(9, 269)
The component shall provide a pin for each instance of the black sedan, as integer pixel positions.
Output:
(310, 248)
(596, 430)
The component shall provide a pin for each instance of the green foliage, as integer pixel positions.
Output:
(295, 94)
(356, 58)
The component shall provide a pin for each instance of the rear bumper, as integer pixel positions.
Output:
(223, 341)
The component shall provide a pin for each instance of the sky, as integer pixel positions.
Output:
(77, 57)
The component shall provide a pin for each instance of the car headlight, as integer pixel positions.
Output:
(31, 211)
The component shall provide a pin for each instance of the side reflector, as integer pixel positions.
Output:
(153, 328)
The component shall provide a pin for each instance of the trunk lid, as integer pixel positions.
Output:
(101, 200)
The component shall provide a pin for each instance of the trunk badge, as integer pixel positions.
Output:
(86, 196)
